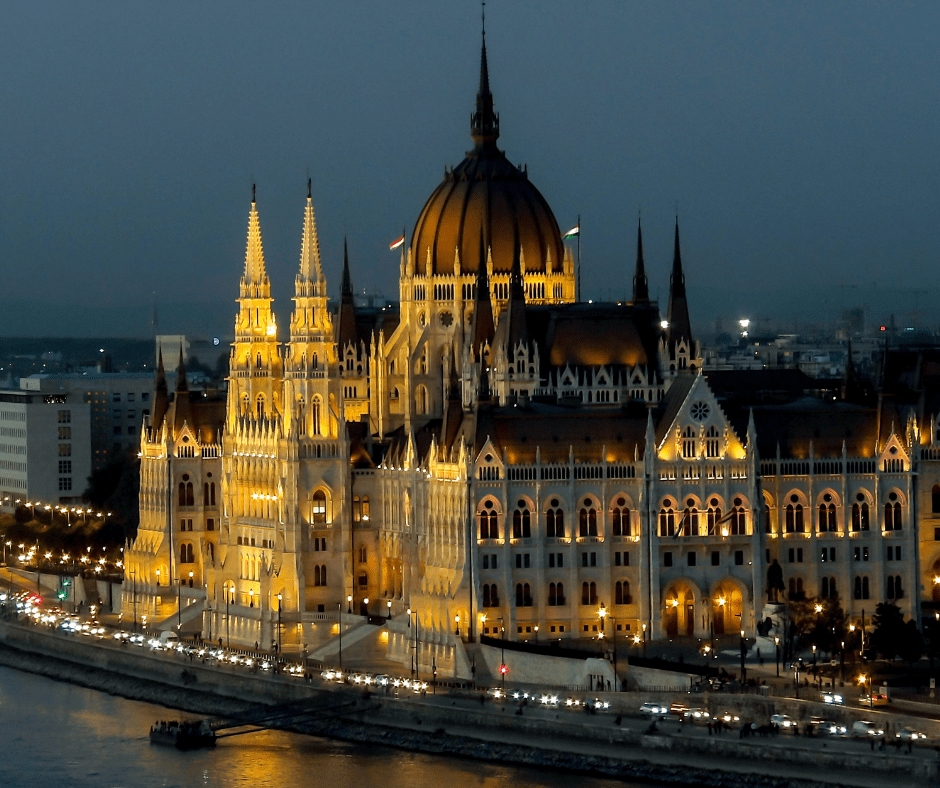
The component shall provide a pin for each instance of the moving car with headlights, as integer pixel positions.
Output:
(785, 723)
(823, 727)
(907, 734)
(865, 728)
(656, 709)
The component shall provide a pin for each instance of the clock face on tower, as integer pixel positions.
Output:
(699, 410)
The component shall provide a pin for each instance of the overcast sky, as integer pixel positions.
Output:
(800, 142)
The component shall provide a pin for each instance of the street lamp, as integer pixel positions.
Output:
(457, 624)
(389, 604)
(502, 652)
(416, 668)
(279, 598)
(179, 603)
(777, 649)
(644, 641)
(743, 652)
(339, 618)
(158, 578)
(863, 679)
(349, 603)
(613, 631)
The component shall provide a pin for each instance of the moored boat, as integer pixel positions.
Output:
(183, 735)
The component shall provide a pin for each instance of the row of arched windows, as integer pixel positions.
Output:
(689, 521)
(710, 446)
(522, 517)
(556, 594)
(827, 514)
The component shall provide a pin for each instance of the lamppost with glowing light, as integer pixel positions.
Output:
(863, 680)
(339, 618)
(777, 649)
(457, 625)
(389, 605)
(279, 599)
(743, 653)
(502, 653)
(415, 667)
(613, 630)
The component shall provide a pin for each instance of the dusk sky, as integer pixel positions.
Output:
(800, 141)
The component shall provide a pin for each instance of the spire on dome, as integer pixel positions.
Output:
(310, 269)
(484, 123)
(483, 328)
(515, 309)
(161, 396)
(641, 289)
(254, 255)
(680, 327)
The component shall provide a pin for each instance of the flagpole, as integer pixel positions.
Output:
(578, 295)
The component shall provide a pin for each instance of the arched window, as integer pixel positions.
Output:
(713, 517)
(768, 523)
(860, 513)
(421, 400)
(895, 591)
(794, 516)
(667, 519)
(796, 593)
(587, 519)
(588, 593)
(893, 519)
(315, 416)
(861, 587)
(318, 508)
(246, 403)
(711, 442)
(688, 443)
(555, 520)
(689, 525)
(935, 499)
(620, 518)
(622, 593)
(556, 594)
(521, 521)
(490, 595)
(208, 494)
(259, 406)
(488, 521)
(828, 589)
(738, 518)
(523, 595)
(186, 553)
(827, 515)
(319, 575)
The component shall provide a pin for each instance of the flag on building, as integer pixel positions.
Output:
(396, 244)
(573, 231)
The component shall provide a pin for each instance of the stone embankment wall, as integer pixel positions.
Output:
(413, 724)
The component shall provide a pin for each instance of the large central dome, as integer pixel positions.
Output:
(485, 196)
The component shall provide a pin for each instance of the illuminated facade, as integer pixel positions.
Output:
(496, 456)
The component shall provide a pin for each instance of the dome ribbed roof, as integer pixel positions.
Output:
(485, 196)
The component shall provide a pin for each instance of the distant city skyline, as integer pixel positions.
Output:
(798, 142)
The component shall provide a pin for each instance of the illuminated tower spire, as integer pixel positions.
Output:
(641, 289)
(680, 328)
(484, 123)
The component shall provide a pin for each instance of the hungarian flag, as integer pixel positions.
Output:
(396, 244)
(573, 231)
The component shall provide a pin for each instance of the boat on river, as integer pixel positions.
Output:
(183, 735)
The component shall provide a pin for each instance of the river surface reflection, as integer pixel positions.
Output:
(53, 733)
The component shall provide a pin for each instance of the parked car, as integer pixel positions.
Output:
(875, 699)
(864, 728)
(656, 709)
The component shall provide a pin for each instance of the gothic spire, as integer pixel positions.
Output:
(641, 289)
(347, 307)
(484, 123)
(161, 397)
(346, 290)
(483, 328)
(310, 269)
(680, 327)
(254, 254)
(515, 308)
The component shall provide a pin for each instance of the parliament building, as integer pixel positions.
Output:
(493, 456)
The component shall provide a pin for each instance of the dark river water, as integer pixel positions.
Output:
(57, 734)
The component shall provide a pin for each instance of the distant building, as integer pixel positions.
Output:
(119, 401)
(45, 447)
